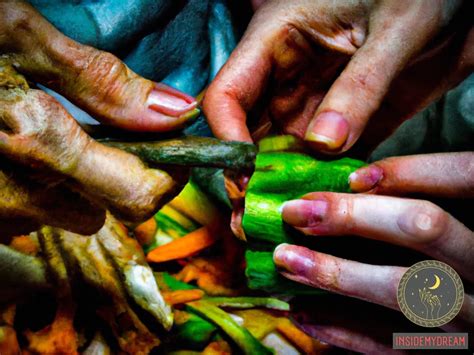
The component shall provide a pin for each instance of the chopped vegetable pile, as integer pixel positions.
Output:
(180, 282)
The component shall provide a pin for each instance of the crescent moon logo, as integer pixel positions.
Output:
(436, 284)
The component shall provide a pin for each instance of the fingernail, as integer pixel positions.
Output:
(171, 102)
(329, 131)
(365, 179)
(304, 213)
(290, 260)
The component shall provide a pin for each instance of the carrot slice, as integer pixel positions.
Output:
(184, 247)
(182, 296)
(146, 231)
(299, 338)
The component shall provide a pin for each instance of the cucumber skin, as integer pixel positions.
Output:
(283, 176)
(262, 275)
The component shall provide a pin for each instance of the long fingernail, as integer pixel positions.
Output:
(329, 131)
(171, 102)
(304, 213)
(290, 260)
(365, 179)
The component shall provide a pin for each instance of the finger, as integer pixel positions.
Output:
(360, 342)
(376, 284)
(50, 140)
(26, 204)
(361, 87)
(372, 283)
(96, 81)
(415, 224)
(237, 87)
(444, 174)
(343, 322)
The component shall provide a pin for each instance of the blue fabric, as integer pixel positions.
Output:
(105, 24)
(181, 43)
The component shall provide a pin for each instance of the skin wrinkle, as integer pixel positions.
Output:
(416, 25)
(409, 222)
(96, 81)
(45, 135)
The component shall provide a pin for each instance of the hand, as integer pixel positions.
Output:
(412, 223)
(330, 66)
(38, 133)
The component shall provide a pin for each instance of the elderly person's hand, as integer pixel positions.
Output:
(322, 69)
(411, 223)
(39, 134)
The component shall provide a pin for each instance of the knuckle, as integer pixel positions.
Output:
(343, 213)
(104, 69)
(142, 201)
(366, 82)
(15, 18)
(426, 222)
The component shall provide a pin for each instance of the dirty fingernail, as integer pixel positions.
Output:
(288, 258)
(171, 102)
(365, 179)
(304, 213)
(329, 131)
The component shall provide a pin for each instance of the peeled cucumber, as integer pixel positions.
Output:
(262, 275)
(283, 176)
(279, 177)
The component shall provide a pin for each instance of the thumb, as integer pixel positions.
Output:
(96, 81)
(360, 89)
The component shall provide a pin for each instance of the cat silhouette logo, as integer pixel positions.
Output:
(430, 293)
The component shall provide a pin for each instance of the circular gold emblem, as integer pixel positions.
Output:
(430, 293)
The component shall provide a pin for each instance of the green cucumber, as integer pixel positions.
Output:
(283, 176)
(192, 152)
(262, 275)
(279, 177)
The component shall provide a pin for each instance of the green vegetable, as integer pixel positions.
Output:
(249, 302)
(192, 151)
(174, 284)
(241, 336)
(211, 181)
(194, 334)
(280, 143)
(262, 275)
(283, 176)
(195, 204)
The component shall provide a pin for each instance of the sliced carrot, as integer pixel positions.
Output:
(219, 347)
(25, 245)
(182, 296)
(299, 338)
(146, 231)
(184, 247)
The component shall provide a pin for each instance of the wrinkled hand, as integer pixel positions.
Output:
(328, 67)
(412, 223)
(38, 133)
